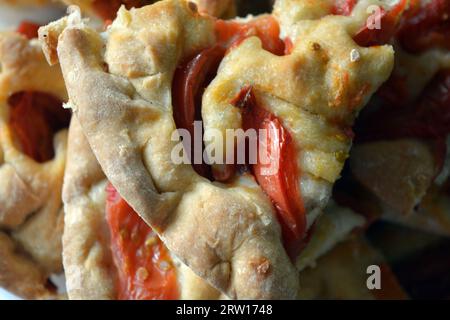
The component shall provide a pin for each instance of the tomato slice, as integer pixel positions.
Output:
(192, 77)
(390, 23)
(34, 118)
(145, 268)
(189, 82)
(230, 33)
(276, 172)
(426, 26)
(28, 29)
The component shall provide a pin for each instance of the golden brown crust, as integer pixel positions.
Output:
(30, 192)
(227, 234)
(90, 271)
(216, 8)
(87, 260)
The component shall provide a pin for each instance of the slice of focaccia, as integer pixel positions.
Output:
(32, 159)
(159, 68)
(402, 153)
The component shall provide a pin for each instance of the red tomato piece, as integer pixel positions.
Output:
(34, 118)
(28, 29)
(230, 33)
(190, 79)
(279, 176)
(426, 26)
(145, 268)
(390, 23)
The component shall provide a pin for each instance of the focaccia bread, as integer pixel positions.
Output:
(107, 9)
(402, 155)
(32, 159)
(120, 87)
(90, 270)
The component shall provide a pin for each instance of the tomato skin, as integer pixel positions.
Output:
(279, 178)
(34, 117)
(28, 29)
(426, 27)
(145, 269)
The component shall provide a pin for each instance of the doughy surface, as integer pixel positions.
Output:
(31, 215)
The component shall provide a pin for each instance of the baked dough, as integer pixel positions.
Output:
(216, 8)
(31, 215)
(402, 172)
(89, 268)
(226, 233)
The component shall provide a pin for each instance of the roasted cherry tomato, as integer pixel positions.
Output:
(189, 82)
(28, 29)
(34, 117)
(145, 268)
(230, 33)
(390, 23)
(276, 172)
(426, 26)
